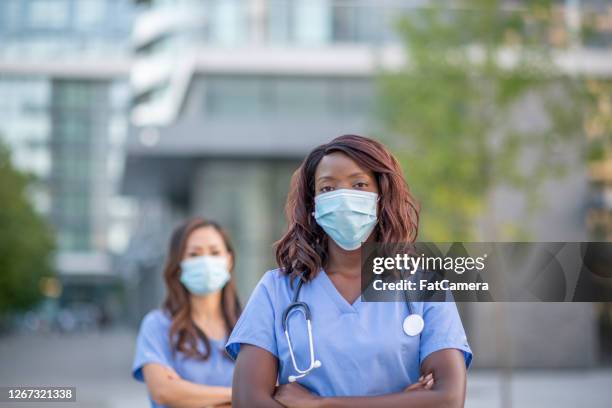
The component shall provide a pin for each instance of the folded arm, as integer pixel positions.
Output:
(448, 390)
(167, 388)
(255, 377)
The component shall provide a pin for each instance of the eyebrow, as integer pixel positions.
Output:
(356, 174)
(323, 178)
(359, 173)
(198, 246)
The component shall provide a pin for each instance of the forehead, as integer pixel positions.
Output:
(337, 165)
(204, 236)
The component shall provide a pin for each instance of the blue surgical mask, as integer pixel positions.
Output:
(204, 274)
(347, 216)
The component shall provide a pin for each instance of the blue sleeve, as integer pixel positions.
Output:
(153, 343)
(443, 329)
(256, 324)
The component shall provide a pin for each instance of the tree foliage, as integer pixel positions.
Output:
(464, 108)
(26, 241)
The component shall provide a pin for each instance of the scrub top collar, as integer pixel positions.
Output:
(343, 305)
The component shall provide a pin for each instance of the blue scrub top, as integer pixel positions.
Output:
(153, 346)
(362, 346)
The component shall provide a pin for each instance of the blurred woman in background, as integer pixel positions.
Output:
(180, 348)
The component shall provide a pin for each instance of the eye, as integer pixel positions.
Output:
(360, 184)
(192, 254)
(215, 252)
(325, 189)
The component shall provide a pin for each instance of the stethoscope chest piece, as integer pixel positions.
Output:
(413, 325)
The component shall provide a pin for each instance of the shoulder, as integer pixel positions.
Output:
(273, 279)
(274, 285)
(156, 319)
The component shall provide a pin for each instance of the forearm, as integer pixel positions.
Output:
(259, 400)
(179, 393)
(412, 399)
(447, 367)
(255, 379)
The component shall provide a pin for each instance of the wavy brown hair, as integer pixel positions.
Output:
(184, 333)
(303, 248)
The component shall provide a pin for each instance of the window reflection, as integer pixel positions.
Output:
(291, 96)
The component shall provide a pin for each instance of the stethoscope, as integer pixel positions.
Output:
(413, 326)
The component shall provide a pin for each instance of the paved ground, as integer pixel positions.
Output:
(99, 366)
(542, 389)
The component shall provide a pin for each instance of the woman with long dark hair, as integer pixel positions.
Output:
(179, 352)
(306, 332)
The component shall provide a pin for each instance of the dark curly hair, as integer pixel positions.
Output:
(303, 248)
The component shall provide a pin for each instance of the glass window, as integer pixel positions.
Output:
(303, 96)
(353, 96)
(234, 96)
(89, 13)
(279, 21)
(48, 13)
(363, 23)
(289, 96)
(12, 14)
(228, 22)
(312, 22)
(307, 22)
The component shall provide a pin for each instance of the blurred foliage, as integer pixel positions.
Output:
(461, 110)
(26, 242)
(598, 123)
(598, 130)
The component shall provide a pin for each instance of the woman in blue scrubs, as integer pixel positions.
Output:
(346, 192)
(180, 348)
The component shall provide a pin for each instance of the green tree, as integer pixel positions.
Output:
(26, 241)
(452, 109)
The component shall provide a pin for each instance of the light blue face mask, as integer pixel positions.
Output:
(204, 274)
(347, 216)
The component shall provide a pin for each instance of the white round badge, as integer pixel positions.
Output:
(413, 325)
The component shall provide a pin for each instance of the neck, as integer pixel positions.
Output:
(343, 262)
(207, 306)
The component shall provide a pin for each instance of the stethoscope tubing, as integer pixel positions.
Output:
(302, 307)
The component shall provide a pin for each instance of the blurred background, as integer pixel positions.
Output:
(119, 118)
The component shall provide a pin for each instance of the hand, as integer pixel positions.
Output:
(424, 383)
(293, 395)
